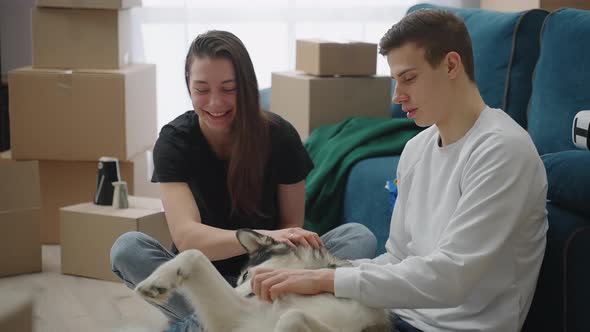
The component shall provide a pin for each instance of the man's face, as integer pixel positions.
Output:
(423, 91)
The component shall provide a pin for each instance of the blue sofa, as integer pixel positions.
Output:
(535, 66)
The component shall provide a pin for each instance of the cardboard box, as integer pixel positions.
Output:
(19, 185)
(82, 115)
(552, 5)
(327, 58)
(97, 4)
(310, 101)
(65, 183)
(88, 232)
(16, 311)
(81, 38)
(549, 5)
(80, 177)
(20, 240)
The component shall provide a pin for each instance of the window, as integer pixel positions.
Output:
(269, 28)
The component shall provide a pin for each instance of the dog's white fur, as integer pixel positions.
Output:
(221, 308)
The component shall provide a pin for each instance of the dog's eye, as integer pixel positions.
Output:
(245, 276)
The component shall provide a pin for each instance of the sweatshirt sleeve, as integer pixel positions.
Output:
(494, 190)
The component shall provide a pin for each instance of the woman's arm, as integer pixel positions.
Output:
(291, 204)
(186, 229)
(291, 199)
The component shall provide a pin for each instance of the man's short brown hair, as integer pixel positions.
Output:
(438, 32)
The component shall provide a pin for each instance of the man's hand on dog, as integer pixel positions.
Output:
(269, 284)
(295, 236)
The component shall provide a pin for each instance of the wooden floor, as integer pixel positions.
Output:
(75, 304)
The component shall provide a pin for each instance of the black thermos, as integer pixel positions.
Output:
(108, 172)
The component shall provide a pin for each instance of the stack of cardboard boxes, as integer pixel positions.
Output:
(332, 81)
(19, 238)
(82, 99)
(19, 218)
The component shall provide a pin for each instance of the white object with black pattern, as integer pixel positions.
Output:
(580, 129)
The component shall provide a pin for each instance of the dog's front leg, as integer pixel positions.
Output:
(297, 321)
(216, 303)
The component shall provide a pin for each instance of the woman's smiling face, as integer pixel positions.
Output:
(213, 92)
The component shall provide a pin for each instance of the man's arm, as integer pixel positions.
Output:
(269, 284)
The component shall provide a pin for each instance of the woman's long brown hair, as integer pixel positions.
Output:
(250, 128)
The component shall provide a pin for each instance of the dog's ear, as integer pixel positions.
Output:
(253, 241)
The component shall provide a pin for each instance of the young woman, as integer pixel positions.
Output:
(224, 166)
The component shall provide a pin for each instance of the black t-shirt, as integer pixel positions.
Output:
(182, 154)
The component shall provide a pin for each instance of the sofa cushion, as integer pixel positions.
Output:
(561, 82)
(506, 48)
(366, 200)
(568, 175)
(265, 99)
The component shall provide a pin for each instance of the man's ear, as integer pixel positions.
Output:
(452, 64)
(253, 241)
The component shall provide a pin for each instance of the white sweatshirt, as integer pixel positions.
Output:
(468, 232)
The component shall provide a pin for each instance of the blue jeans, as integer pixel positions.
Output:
(135, 255)
(401, 325)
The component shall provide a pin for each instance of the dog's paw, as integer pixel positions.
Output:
(190, 260)
(169, 276)
(158, 286)
(154, 292)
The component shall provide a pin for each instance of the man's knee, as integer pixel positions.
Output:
(126, 248)
(359, 233)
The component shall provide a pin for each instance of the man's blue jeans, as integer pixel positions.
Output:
(401, 325)
(135, 255)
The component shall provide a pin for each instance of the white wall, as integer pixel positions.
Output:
(15, 34)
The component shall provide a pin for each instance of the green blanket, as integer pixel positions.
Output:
(334, 150)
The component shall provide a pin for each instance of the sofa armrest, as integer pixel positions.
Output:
(561, 297)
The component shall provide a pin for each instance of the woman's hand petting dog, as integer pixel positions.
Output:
(269, 284)
(295, 236)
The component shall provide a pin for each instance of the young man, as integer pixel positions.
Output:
(468, 231)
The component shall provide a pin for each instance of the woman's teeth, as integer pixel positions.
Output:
(217, 114)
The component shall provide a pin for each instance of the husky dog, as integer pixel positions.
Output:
(221, 308)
